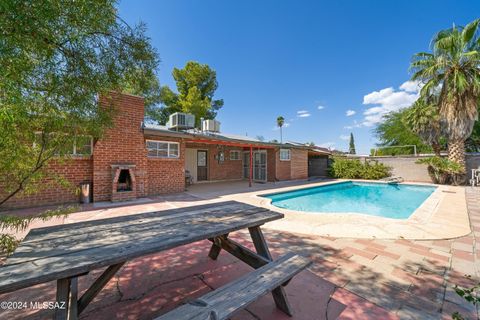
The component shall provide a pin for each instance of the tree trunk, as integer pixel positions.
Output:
(456, 153)
(436, 148)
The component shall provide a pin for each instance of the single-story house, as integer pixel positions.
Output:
(134, 159)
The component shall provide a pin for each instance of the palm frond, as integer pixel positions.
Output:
(469, 31)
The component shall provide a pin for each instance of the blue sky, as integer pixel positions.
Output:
(330, 68)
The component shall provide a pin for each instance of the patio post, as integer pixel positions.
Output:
(251, 167)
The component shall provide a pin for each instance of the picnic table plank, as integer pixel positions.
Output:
(70, 230)
(134, 232)
(21, 275)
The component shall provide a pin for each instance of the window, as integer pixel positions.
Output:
(80, 146)
(234, 155)
(284, 154)
(162, 149)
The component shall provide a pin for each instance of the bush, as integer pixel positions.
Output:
(441, 170)
(344, 168)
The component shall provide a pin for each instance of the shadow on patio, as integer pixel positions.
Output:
(351, 286)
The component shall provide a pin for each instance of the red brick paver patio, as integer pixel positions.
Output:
(350, 279)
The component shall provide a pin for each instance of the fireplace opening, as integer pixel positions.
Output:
(124, 181)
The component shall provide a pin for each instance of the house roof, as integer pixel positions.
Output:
(156, 129)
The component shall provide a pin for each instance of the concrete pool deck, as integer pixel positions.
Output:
(350, 279)
(443, 215)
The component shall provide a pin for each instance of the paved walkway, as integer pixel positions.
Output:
(350, 278)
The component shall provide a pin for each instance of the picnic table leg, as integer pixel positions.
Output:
(73, 304)
(279, 295)
(97, 286)
(63, 296)
(216, 248)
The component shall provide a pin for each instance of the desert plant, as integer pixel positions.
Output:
(374, 171)
(344, 168)
(442, 170)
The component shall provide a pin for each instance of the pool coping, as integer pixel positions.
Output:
(443, 215)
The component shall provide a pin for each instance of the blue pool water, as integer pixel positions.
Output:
(377, 199)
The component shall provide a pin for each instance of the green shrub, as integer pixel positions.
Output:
(344, 168)
(441, 170)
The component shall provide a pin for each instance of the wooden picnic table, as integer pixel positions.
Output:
(63, 253)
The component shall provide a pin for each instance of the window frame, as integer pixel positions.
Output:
(289, 154)
(75, 154)
(74, 146)
(157, 142)
(238, 155)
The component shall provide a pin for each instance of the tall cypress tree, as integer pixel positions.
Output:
(352, 144)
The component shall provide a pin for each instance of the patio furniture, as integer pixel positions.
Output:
(188, 178)
(475, 180)
(65, 252)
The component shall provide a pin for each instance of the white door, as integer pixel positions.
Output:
(191, 163)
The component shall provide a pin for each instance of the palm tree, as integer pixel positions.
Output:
(423, 119)
(280, 122)
(452, 70)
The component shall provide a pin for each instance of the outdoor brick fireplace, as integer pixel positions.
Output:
(124, 186)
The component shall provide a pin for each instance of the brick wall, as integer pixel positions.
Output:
(122, 144)
(75, 171)
(282, 170)
(226, 170)
(271, 168)
(166, 175)
(299, 164)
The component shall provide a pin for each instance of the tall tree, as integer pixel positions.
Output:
(280, 123)
(423, 119)
(393, 131)
(452, 70)
(351, 145)
(196, 85)
(56, 57)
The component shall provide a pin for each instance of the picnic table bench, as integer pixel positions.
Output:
(65, 252)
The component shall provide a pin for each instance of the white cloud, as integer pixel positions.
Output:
(304, 115)
(345, 137)
(388, 100)
(411, 86)
(350, 113)
(320, 107)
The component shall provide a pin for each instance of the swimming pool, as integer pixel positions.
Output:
(396, 201)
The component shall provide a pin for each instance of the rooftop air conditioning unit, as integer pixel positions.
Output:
(180, 120)
(211, 125)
